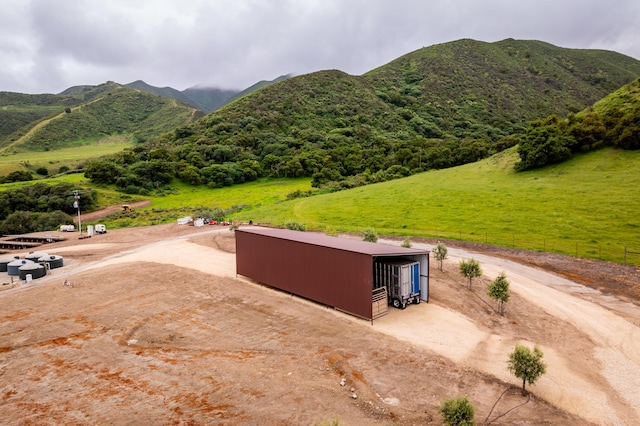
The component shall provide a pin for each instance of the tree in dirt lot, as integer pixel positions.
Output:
(470, 269)
(457, 412)
(526, 364)
(440, 253)
(498, 290)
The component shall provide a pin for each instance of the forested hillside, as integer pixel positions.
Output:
(437, 107)
(613, 121)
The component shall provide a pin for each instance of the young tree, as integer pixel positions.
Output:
(370, 235)
(457, 412)
(470, 269)
(526, 364)
(498, 290)
(440, 253)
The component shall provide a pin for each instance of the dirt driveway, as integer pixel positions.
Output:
(157, 329)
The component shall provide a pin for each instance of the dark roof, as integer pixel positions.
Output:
(346, 244)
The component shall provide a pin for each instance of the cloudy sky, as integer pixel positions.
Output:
(47, 46)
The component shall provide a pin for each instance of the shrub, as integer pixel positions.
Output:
(370, 235)
(294, 226)
(457, 412)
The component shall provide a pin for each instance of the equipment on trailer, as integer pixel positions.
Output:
(401, 279)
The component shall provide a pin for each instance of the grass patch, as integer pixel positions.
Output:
(70, 157)
(587, 206)
(181, 199)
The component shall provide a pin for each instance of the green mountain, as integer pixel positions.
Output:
(167, 92)
(470, 88)
(206, 99)
(86, 113)
(253, 88)
(437, 107)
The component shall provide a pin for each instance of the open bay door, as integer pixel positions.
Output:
(423, 273)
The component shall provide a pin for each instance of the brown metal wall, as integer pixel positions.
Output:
(330, 276)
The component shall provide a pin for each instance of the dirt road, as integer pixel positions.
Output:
(158, 330)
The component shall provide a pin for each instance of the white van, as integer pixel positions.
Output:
(100, 228)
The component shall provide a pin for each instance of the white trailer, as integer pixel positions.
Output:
(402, 280)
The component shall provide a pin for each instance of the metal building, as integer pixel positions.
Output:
(337, 272)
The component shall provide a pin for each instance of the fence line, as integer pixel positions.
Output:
(609, 251)
(627, 252)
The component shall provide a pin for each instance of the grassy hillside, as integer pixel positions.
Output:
(83, 115)
(586, 206)
(70, 158)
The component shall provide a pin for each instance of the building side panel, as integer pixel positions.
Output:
(326, 275)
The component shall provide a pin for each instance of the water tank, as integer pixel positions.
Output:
(34, 269)
(13, 267)
(4, 261)
(53, 260)
(35, 255)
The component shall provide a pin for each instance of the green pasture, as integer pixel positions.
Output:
(180, 200)
(54, 159)
(588, 206)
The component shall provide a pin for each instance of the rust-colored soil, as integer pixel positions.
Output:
(157, 329)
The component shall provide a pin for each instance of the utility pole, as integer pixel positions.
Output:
(76, 204)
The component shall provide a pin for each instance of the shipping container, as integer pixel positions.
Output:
(338, 272)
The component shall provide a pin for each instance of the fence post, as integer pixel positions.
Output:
(625, 255)
(576, 249)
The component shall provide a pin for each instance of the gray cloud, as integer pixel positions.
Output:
(47, 46)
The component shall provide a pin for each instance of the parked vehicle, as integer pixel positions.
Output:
(401, 279)
(67, 228)
(100, 229)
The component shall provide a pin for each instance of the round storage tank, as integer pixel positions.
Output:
(35, 255)
(4, 261)
(53, 260)
(12, 267)
(34, 269)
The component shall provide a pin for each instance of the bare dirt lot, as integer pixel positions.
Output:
(157, 329)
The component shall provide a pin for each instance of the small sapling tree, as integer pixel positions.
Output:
(406, 243)
(526, 364)
(440, 253)
(498, 290)
(457, 412)
(370, 235)
(470, 269)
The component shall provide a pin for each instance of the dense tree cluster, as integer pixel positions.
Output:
(17, 176)
(614, 121)
(40, 207)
